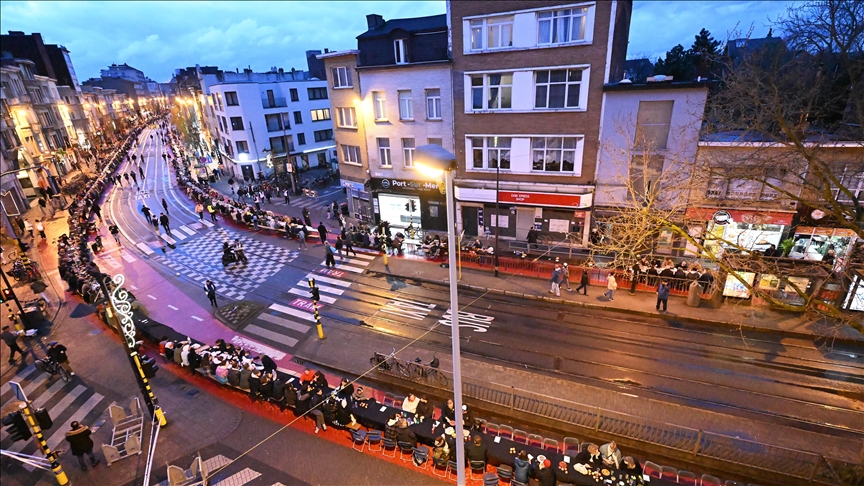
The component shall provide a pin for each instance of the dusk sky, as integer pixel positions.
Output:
(158, 37)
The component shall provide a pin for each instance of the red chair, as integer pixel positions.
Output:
(652, 470)
(571, 445)
(505, 431)
(550, 445)
(669, 472)
(492, 429)
(520, 436)
(687, 477)
(708, 480)
(535, 440)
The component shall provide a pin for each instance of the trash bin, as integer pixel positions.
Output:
(694, 294)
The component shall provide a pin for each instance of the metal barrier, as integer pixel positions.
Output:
(779, 460)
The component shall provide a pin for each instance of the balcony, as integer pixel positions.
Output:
(273, 103)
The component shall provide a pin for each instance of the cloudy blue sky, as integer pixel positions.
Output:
(158, 37)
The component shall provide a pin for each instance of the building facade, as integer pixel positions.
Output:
(528, 86)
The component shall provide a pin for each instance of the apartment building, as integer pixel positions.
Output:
(528, 100)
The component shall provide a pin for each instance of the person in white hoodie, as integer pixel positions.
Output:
(410, 403)
(611, 286)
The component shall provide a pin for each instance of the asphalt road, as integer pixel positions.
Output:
(755, 375)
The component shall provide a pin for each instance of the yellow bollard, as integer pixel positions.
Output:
(59, 475)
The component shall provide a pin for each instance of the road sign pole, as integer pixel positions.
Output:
(59, 475)
(315, 297)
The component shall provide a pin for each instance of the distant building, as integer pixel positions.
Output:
(51, 60)
(124, 71)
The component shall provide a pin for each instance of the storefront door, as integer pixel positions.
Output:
(470, 223)
(524, 222)
(248, 172)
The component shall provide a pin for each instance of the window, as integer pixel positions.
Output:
(236, 123)
(298, 118)
(242, 147)
(231, 98)
(745, 187)
(347, 117)
(408, 151)
(652, 124)
(852, 179)
(294, 95)
(301, 139)
(320, 115)
(555, 154)
(277, 145)
(351, 154)
(274, 122)
(341, 77)
(399, 51)
(561, 26)
(645, 172)
(323, 135)
(488, 152)
(492, 33)
(557, 88)
(406, 106)
(384, 152)
(433, 104)
(491, 91)
(317, 93)
(435, 141)
(286, 120)
(380, 104)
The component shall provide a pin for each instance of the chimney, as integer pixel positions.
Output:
(326, 50)
(373, 21)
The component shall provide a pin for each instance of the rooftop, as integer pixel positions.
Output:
(415, 24)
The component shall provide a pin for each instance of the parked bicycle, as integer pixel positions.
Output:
(48, 365)
(24, 270)
(388, 363)
(428, 373)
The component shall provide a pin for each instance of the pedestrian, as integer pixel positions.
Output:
(141, 171)
(126, 176)
(306, 217)
(43, 205)
(339, 245)
(565, 275)
(115, 232)
(163, 220)
(584, 281)
(155, 223)
(41, 229)
(329, 213)
(662, 294)
(322, 232)
(28, 227)
(57, 352)
(557, 276)
(611, 286)
(165, 206)
(118, 180)
(257, 203)
(10, 337)
(342, 222)
(255, 221)
(328, 254)
(335, 209)
(146, 211)
(81, 444)
(349, 247)
(134, 178)
(199, 208)
(210, 287)
(212, 211)
(285, 193)
(268, 194)
(301, 235)
(95, 209)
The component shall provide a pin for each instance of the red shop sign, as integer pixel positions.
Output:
(545, 199)
(739, 216)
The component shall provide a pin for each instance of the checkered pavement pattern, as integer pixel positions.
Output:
(209, 247)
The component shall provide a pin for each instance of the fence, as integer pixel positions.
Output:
(698, 443)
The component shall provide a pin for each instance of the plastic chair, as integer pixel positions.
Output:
(452, 468)
(421, 455)
(505, 431)
(439, 465)
(651, 469)
(359, 438)
(586, 445)
(406, 448)
(389, 399)
(478, 467)
(505, 472)
(520, 436)
(535, 440)
(708, 480)
(397, 404)
(550, 445)
(492, 429)
(687, 477)
(490, 479)
(373, 437)
(388, 444)
(571, 444)
(669, 472)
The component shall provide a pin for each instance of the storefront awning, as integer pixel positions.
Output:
(742, 216)
(527, 198)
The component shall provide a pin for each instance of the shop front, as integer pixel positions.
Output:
(815, 244)
(359, 201)
(402, 202)
(731, 229)
(556, 215)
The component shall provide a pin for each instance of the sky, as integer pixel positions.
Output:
(158, 37)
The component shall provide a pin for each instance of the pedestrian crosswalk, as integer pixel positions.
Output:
(354, 263)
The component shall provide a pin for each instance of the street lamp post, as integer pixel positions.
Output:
(435, 160)
(497, 210)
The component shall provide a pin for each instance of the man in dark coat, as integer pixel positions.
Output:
(322, 232)
(10, 337)
(146, 211)
(163, 220)
(80, 444)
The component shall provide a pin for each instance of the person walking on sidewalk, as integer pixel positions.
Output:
(28, 227)
(43, 205)
(662, 294)
(134, 178)
(328, 254)
(611, 286)
(146, 211)
(287, 199)
(306, 217)
(165, 206)
(557, 276)
(199, 208)
(349, 247)
(584, 281)
(565, 277)
(163, 220)
(141, 171)
(301, 235)
(10, 337)
(57, 353)
(115, 232)
(80, 444)
(41, 229)
(210, 288)
(322, 232)
(339, 245)
(95, 209)
(212, 211)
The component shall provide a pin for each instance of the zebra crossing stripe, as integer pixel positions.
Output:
(352, 261)
(168, 239)
(129, 258)
(271, 335)
(287, 324)
(20, 375)
(78, 416)
(368, 251)
(305, 293)
(293, 312)
(334, 281)
(188, 231)
(365, 256)
(144, 247)
(43, 398)
(179, 235)
(207, 223)
(330, 290)
(58, 409)
(346, 267)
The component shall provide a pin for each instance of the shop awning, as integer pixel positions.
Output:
(742, 216)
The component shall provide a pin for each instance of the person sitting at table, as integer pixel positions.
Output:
(448, 413)
(589, 457)
(345, 390)
(610, 454)
(467, 418)
(632, 467)
(315, 408)
(307, 376)
(544, 474)
(405, 434)
(410, 403)
(476, 451)
(521, 467)
(320, 381)
(425, 410)
(359, 396)
(441, 451)
(390, 427)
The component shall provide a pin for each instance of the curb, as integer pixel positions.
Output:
(691, 320)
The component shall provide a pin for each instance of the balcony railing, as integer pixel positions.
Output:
(274, 103)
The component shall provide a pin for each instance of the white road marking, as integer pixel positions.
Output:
(148, 295)
(129, 258)
(168, 239)
(144, 247)
(197, 318)
(172, 307)
(334, 281)
(305, 293)
(288, 324)
(346, 267)
(293, 312)
(188, 231)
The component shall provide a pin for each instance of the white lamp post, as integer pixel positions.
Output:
(433, 160)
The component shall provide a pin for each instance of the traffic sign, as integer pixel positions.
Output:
(19, 392)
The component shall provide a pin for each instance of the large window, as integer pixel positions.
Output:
(555, 154)
(645, 173)
(384, 152)
(489, 152)
(491, 91)
(277, 145)
(492, 33)
(294, 95)
(274, 122)
(341, 77)
(317, 93)
(406, 105)
(321, 114)
(400, 50)
(562, 26)
(231, 98)
(380, 104)
(557, 88)
(745, 187)
(236, 123)
(323, 135)
(351, 154)
(242, 147)
(347, 117)
(298, 117)
(652, 124)
(408, 151)
(433, 104)
(852, 179)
